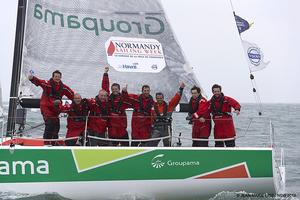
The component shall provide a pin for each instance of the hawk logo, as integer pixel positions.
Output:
(156, 162)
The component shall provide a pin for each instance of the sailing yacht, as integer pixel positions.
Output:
(135, 38)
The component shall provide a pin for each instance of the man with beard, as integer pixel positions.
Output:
(141, 116)
(118, 103)
(220, 108)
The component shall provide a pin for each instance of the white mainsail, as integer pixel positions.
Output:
(70, 36)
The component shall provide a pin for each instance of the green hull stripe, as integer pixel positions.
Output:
(125, 164)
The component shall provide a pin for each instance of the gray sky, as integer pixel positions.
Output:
(207, 33)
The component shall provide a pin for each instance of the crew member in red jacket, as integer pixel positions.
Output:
(161, 114)
(99, 111)
(53, 89)
(220, 108)
(200, 116)
(76, 121)
(141, 116)
(117, 116)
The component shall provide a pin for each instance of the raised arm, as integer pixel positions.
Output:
(105, 80)
(176, 99)
(132, 99)
(128, 102)
(38, 82)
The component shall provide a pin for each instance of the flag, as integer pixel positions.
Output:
(255, 56)
(241, 23)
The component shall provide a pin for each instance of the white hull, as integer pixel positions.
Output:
(167, 189)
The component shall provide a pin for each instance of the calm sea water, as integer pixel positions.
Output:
(252, 131)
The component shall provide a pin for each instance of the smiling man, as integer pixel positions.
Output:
(220, 108)
(76, 121)
(141, 116)
(53, 89)
(161, 115)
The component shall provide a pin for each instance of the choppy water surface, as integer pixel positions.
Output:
(252, 131)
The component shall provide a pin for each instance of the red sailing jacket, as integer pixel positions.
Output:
(105, 82)
(98, 119)
(51, 92)
(201, 129)
(76, 118)
(117, 115)
(99, 110)
(169, 107)
(221, 108)
(141, 116)
(117, 122)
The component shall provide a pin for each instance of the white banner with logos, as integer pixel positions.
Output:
(135, 54)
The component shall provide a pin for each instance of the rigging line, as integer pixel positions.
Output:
(258, 100)
(257, 96)
(256, 86)
(35, 127)
(246, 131)
(231, 5)
(85, 128)
(204, 139)
(45, 140)
(128, 140)
(32, 128)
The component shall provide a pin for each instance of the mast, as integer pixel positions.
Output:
(17, 63)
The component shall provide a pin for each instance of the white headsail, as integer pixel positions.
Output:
(74, 37)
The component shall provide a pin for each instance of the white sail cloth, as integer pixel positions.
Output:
(70, 36)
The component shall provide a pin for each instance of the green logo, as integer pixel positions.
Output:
(24, 167)
(159, 161)
(149, 25)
